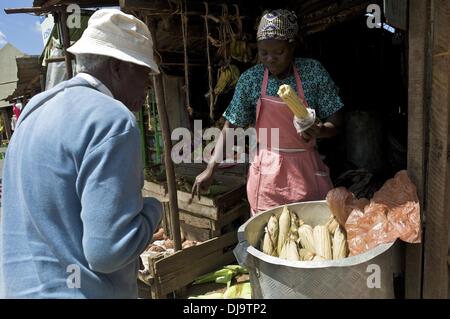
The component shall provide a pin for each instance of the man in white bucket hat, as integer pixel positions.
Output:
(74, 221)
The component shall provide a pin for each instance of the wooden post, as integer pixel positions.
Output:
(65, 41)
(6, 122)
(208, 55)
(170, 171)
(419, 38)
(435, 276)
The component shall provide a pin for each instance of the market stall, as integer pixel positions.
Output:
(394, 83)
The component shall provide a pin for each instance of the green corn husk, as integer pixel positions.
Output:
(237, 268)
(223, 275)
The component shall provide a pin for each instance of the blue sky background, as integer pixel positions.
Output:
(22, 30)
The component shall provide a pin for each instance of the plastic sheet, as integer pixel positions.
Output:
(394, 212)
(342, 202)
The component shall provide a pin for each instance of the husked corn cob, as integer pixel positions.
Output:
(284, 225)
(339, 245)
(305, 254)
(306, 237)
(291, 98)
(332, 224)
(322, 242)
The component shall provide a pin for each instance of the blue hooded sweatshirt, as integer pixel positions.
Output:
(74, 221)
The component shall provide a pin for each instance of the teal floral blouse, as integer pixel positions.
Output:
(320, 91)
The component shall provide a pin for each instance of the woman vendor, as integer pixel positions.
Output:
(293, 172)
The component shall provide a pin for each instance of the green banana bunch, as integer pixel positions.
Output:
(226, 79)
(240, 50)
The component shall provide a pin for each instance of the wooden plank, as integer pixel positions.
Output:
(238, 171)
(180, 259)
(200, 210)
(154, 5)
(435, 283)
(160, 189)
(184, 277)
(240, 210)
(185, 197)
(193, 220)
(195, 233)
(396, 13)
(228, 199)
(419, 23)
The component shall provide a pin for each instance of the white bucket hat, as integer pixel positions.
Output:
(111, 32)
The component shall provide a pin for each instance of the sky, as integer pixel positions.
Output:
(22, 30)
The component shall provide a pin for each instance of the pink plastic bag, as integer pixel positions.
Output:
(394, 212)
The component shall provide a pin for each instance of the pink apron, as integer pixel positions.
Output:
(293, 171)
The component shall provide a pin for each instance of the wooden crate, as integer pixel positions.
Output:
(201, 228)
(168, 274)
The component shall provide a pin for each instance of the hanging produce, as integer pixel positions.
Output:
(227, 78)
(240, 48)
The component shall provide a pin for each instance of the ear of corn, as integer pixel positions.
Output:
(339, 245)
(283, 251)
(293, 231)
(284, 227)
(223, 275)
(332, 224)
(305, 254)
(270, 241)
(288, 237)
(269, 245)
(306, 238)
(290, 97)
(272, 227)
(290, 250)
(322, 242)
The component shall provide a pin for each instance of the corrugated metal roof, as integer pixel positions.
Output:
(28, 73)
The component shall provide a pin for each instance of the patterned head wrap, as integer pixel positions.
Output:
(278, 24)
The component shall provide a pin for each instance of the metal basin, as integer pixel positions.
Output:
(369, 275)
